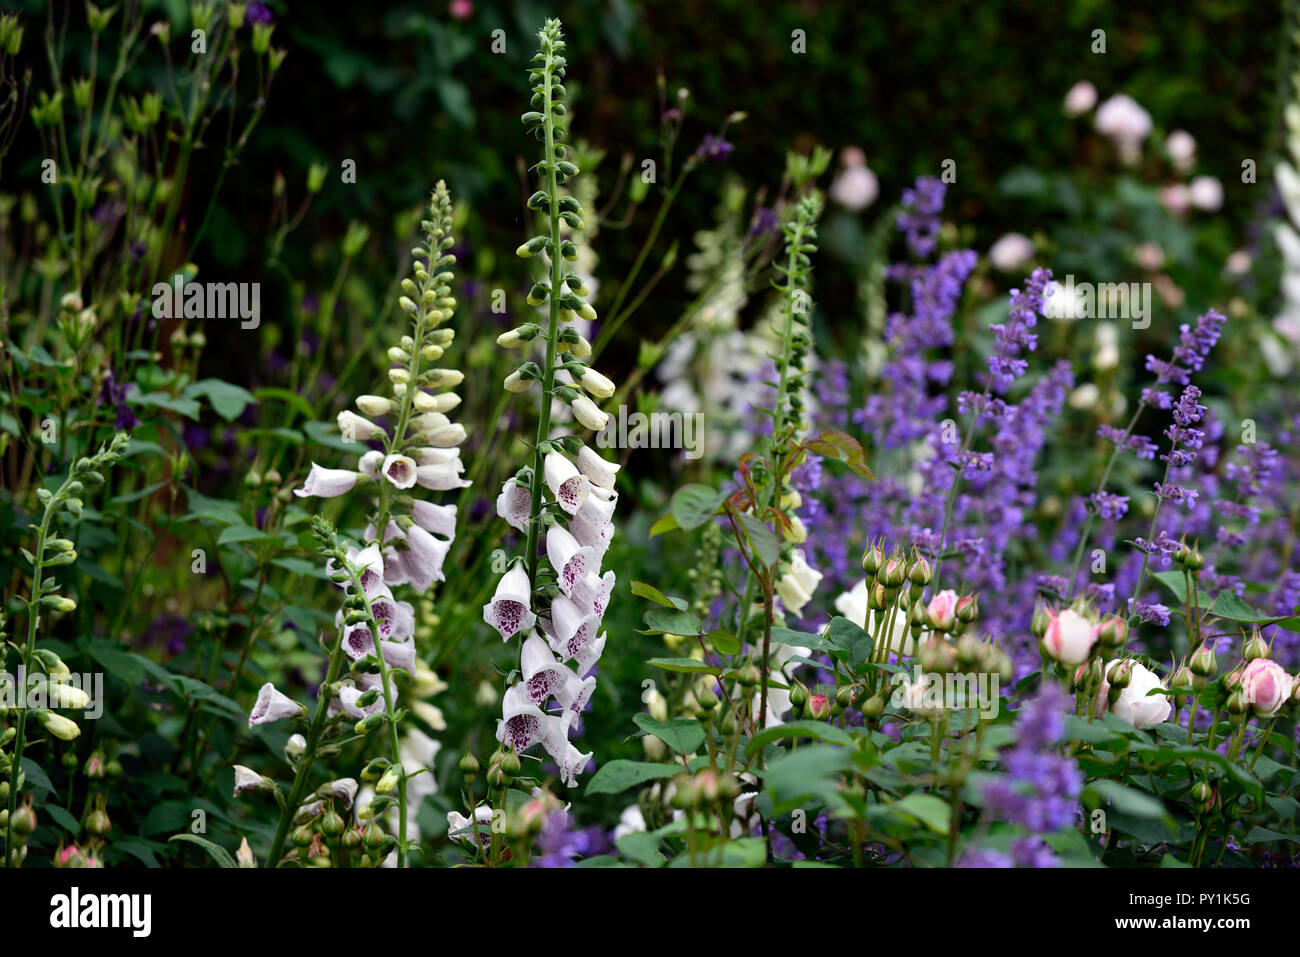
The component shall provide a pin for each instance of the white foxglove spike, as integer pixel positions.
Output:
(328, 483)
(571, 561)
(514, 504)
(438, 519)
(510, 610)
(272, 706)
(566, 483)
(600, 472)
(571, 628)
(400, 470)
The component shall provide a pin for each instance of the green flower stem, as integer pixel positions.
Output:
(308, 759)
(552, 325)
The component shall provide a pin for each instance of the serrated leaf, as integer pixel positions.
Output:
(642, 590)
(843, 448)
(761, 537)
(683, 735)
(619, 775)
(671, 621)
(687, 666)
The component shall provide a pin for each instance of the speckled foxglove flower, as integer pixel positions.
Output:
(328, 483)
(567, 484)
(510, 610)
(272, 706)
(571, 505)
(247, 780)
(513, 504)
(478, 831)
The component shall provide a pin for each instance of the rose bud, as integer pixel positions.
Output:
(1069, 637)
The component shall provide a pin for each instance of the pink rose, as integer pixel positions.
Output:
(1266, 686)
(941, 613)
(1069, 637)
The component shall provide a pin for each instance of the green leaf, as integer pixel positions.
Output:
(674, 622)
(619, 775)
(843, 448)
(215, 851)
(761, 537)
(724, 642)
(242, 533)
(1176, 582)
(182, 406)
(228, 400)
(1232, 608)
(849, 638)
(293, 399)
(693, 505)
(811, 772)
(63, 818)
(683, 735)
(934, 812)
(666, 524)
(1129, 800)
(685, 665)
(642, 590)
(818, 730)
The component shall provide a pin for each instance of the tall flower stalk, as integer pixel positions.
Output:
(407, 539)
(566, 495)
(51, 551)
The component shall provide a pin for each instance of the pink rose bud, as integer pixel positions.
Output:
(1266, 686)
(941, 613)
(818, 706)
(1069, 637)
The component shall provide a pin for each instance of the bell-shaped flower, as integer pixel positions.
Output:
(399, 655)
(478, 831)
(571, 628)
(587, 412)
(514, 504)
(396, 619)
(438, 519)
(272, 706)
(591, 594)
(588, 655)
(358, 641)
(590, 521)
(343, 790)
(328, 483)
(600, 472)
(423, 558)
(510, 610)
(523, 724)
(441, 478)
(543, 675)
(571, 761)
(567, 484)
(796, 587)
(371, 463)
(348, 695)
(400, 470)
(428, 455)
(572, 562)
(247, 779)
(356, 429)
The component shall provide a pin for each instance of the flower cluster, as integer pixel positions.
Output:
(564, 502)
